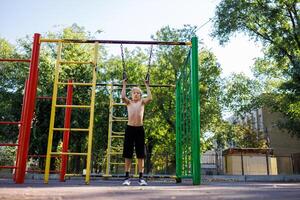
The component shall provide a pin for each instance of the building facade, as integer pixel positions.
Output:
(285, 147)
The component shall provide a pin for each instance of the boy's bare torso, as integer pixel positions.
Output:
(135, 113)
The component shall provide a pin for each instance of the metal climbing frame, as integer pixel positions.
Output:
(188, 119)
(30, 90)
(191, 127)
(89, 130)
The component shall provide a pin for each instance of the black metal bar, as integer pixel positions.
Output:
(132, 85)
(116, 42)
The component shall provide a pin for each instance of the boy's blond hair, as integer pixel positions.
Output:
(136, 88)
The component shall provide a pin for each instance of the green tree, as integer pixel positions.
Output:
(12, 79)
(240, 94)
(275, 23)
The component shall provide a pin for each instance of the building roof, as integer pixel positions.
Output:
(247, 151)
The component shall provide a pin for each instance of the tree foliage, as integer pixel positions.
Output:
(275, 23)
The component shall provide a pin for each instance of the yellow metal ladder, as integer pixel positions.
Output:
(114, 150)
(89, 130)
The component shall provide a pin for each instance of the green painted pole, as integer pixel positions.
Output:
(178, 133)
(196, 166)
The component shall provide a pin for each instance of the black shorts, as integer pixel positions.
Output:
(134, 138)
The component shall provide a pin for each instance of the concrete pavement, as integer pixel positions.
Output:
(112, 190)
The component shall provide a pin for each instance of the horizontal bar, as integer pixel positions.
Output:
(116, 42)
(119, 119)
(76, 62)
(72, 106)
(71, 129)
(132, 85)
(14, 60)
(6, 122)
(8, 145)
(114, 117)
(82, 84)
(113, 163)
(117, 136)
(68, 153)
(117, 149)
(8, 167)
(118, 133)
(116, 153)
(119, 104)
(73, 175)
(186, 176)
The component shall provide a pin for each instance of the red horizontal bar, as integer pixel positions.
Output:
(8, 167)
(8, 144)
(3, 122)
(14, 60)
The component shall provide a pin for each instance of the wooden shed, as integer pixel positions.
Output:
(249, 161)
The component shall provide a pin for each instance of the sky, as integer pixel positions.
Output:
(126, 20)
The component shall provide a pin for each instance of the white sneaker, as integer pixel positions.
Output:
(126, 182)
(142, 182)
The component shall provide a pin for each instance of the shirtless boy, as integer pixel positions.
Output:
(134, 133)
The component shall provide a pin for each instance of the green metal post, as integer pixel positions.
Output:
(196, 166)
(178, 133)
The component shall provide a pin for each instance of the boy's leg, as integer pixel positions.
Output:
(127, 166)
(127, 171)
(140, 152)
(141, 167)
(127, 154)
(141, 171)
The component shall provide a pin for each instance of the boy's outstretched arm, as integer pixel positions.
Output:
(123, 93)
(148, 99)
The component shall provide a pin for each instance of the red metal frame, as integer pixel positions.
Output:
(14, 60)
(66, 137)
(28, 108)
(8, 167)
(3, 122)
(8, 145)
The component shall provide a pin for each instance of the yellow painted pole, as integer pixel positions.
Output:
(51, 126)
(108, 151)
(90, 136)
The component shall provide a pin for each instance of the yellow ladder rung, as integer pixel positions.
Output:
(115, 153)
(80, 84)
(119, 104)
(73, 175)
(73, 106)
(76, 62)
(113, 163)
(116, 148)
(118, 133)
(71, 129)
(68, 153)
(114, 117)
(117, 136)
(119, 120)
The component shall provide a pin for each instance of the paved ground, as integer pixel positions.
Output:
(112, 190)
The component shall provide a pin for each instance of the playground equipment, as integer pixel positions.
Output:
(187, 110)
(27, 110)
